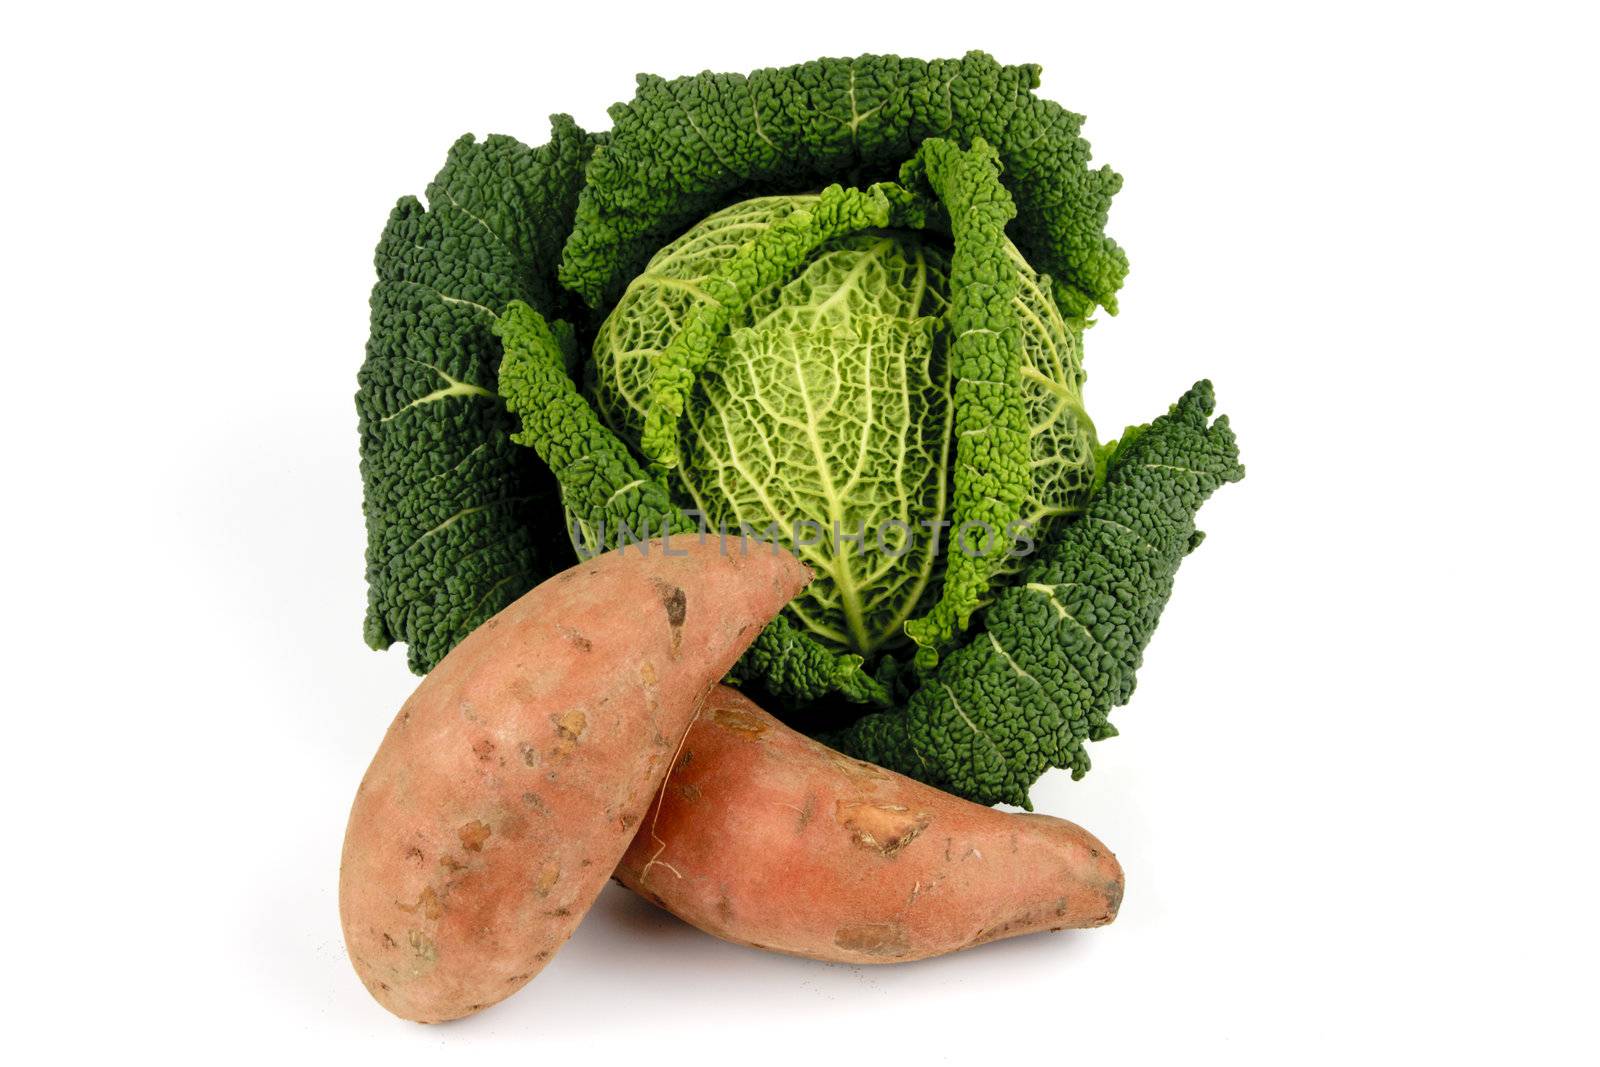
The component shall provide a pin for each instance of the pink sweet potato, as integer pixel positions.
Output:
(764, 837)
(514, 777)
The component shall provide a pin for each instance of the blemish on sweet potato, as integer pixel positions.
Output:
(885, 828)
(414, 854)
(530, 755)
(628, 821)
(483, 748)
(549, 875)
(676, 603)
(1113, 891)
(473, 835)
(740, 721)
(422, 946)
(513, 827)
(569, 730)
(570, 726)
(521, 690)
(885, 940)
(533, 800)
(854, 767)
(577, 640)
(427, 904)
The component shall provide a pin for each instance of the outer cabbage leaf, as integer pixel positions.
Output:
(686, 147)
(454, 511)
(990, 482)
(1060, 647)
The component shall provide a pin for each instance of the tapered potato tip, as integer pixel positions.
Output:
(1096, 882)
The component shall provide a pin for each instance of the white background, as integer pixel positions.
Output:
(1354, 794)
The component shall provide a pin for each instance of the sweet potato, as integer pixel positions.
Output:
(512, 780)
(764, 837)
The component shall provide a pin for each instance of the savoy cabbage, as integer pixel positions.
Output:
(827, 402)
(849, 294)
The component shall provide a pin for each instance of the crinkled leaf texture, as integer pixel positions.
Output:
(990, 481)
(457, 515)
(1059, 649)
(686, 147)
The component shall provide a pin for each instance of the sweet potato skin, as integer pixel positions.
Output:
(766, 838)
(512, 780)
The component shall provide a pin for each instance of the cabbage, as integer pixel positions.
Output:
(891, 345)
(824, 411)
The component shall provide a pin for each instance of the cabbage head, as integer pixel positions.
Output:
(823, 414)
